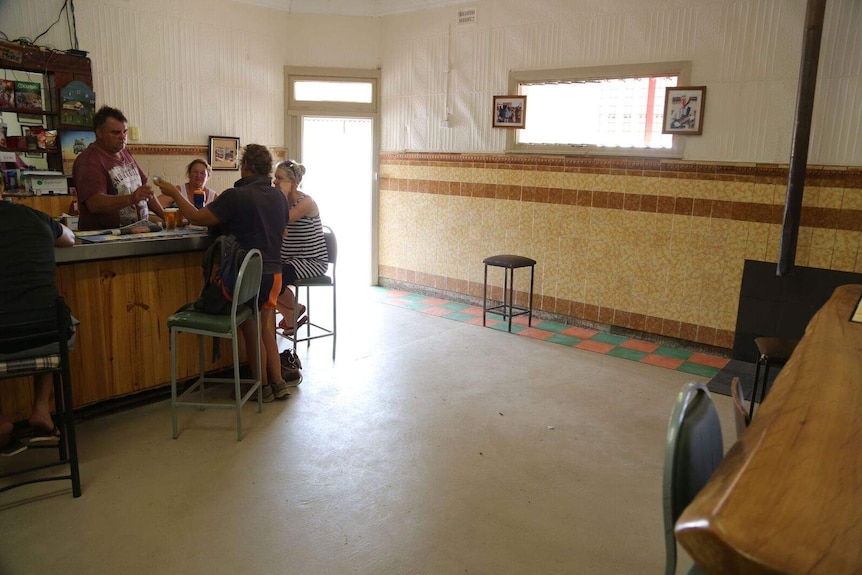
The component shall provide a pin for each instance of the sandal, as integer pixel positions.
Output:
(288, 330)
(45, 435)
(13, 447)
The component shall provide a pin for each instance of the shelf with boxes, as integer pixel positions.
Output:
(46, 110)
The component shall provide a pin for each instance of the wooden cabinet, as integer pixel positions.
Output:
(54, 70)
(122, 343)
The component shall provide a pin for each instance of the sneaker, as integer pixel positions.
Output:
(279, 390)
(268, 395)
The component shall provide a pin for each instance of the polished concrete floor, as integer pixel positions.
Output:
(428, 447)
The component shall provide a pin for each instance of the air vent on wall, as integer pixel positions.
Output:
(466, 16)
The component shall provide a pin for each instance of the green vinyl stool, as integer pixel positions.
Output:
(244, 308)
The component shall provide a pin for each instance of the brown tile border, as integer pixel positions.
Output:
(824, 218)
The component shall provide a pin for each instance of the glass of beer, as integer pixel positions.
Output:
(172, 215)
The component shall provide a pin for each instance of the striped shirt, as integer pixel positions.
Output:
(304, 246)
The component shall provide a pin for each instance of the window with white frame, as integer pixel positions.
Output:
(612, 110)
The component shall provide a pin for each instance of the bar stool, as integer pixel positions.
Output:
(49, 354)
(773, 351)
(509, 263)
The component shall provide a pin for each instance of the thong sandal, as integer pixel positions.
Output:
(13, 447)
(299, 323)
(45, 435)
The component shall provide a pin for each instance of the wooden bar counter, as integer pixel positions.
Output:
(787, 498)
(123, 293)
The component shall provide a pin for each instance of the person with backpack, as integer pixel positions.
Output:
(256, 213)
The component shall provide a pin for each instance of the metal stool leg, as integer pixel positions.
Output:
(530, 302)
(510, 282)
(754, 389)
(485, 296)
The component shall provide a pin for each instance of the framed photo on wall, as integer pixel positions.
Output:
(509, 111)
(683, 110)
(224, 153)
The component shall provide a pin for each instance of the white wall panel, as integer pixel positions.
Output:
(746, 52)
(183, 70)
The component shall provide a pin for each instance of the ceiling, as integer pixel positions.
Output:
(352, 7)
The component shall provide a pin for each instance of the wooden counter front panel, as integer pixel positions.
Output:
(122, 344)
(54, 206)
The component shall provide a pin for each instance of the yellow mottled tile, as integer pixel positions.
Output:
(635, 185)
(810, 199)
(740, 191)
(719, 190)
(852, 199)
(651, 186)
(697, 189)
(831, 198)
(761, 194)
(779, 194)
(603, 183)
(822, 247)
(674, 187)
(846, 247)
(576, 181)
(557, 180)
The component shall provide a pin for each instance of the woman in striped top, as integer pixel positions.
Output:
(303, 248)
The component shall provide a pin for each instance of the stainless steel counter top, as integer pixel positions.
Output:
(127, 247)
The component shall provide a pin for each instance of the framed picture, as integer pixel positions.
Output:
(224, 153)
(73, 143)
(30, 119)
(509, 111)
(683, 110)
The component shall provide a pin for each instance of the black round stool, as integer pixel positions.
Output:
(509, 263)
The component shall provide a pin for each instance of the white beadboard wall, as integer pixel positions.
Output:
(747, 53)
(184, 69)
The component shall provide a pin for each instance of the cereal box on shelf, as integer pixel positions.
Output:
(7, 94)
(28, 95)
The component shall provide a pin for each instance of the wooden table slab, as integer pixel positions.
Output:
(787, 498)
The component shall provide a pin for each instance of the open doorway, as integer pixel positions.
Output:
(338, 154)
(331, 126)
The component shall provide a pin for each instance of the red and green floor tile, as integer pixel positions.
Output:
(674, 358)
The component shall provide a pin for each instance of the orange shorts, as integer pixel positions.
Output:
(270, 288)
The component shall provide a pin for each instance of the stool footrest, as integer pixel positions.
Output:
(506, 311)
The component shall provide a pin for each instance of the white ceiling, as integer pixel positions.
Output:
(352, 7)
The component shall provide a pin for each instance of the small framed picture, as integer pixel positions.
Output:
(29, 119)
(509, 111)
(683, 110)
(73, 143)
(224, 153)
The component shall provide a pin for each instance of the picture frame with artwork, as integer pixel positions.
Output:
(73, 143)
(224, 153)
(684, 108)
(509, 112)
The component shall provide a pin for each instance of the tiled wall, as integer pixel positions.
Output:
(650, 245)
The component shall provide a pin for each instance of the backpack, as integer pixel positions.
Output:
(221, 264)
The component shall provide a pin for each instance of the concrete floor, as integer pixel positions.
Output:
(429, 447)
